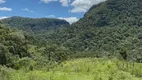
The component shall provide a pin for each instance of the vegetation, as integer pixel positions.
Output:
(80, 69)
(113, 13)
(88, 38)
(13, 45)
(104, 45)
(37, 25)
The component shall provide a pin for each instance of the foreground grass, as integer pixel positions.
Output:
(80, 69)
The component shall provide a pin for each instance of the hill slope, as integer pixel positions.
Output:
(121, 34)
(113, 13)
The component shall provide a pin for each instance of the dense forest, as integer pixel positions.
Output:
(106, 44)
(113, 13)
(34, 24)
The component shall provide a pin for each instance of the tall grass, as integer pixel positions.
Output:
(80, 69)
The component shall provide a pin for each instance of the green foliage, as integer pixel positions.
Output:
(34, 25)
(111, 29)
(13, 45)
(99, 41)
(80, 69)
(113, 13)
(56, 53)
(123, 53)
(25, 63)
(104, 31)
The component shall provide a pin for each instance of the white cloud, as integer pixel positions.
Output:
(63, 2)
(28, 10)
(79, 5)
(3, 17)
(83, 5)
(2, 1)
(5, 9)
(69, 19)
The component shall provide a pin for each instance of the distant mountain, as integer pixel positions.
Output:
(114, 13)
(34, 24)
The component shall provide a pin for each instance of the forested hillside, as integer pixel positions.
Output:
(34, 24)
(106, 44)
(109, 29)
(118, 35)
(113, 13)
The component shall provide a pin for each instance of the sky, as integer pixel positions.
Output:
(69, 10)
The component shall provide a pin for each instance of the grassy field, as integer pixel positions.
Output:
(79, 69)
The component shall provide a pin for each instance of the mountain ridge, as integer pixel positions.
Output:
(34, 24)
(113, 13)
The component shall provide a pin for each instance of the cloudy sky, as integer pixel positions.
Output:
(70, 10)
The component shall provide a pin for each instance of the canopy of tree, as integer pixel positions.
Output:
(13, 45)
(114, 13)
(112, 28)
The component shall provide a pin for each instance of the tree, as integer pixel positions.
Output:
(123, 54)
(3, 54)
(50, 51)
(55, 53)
